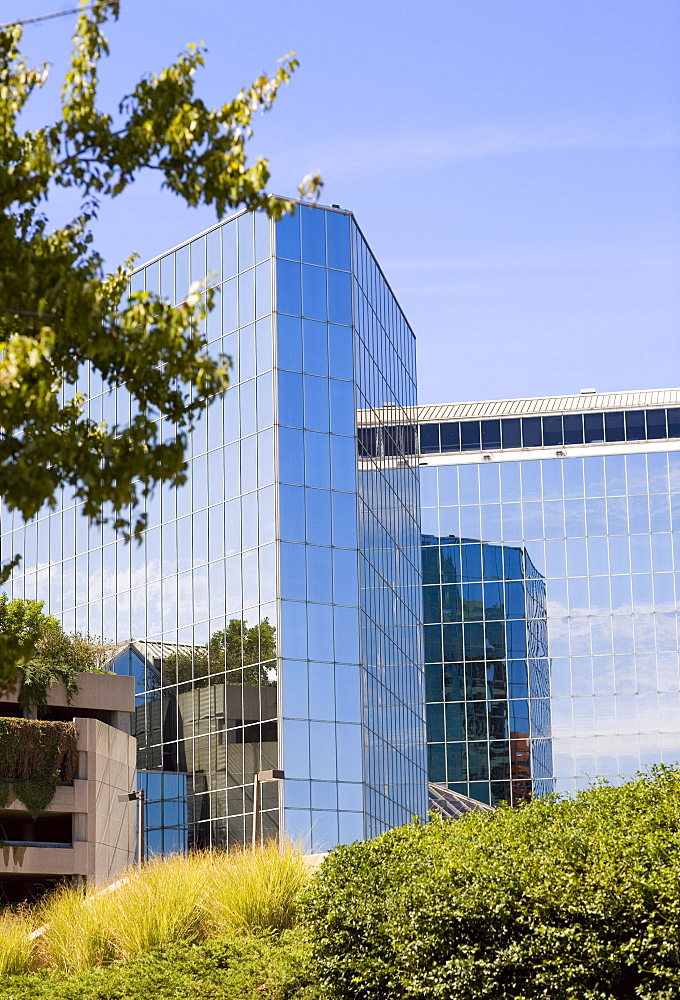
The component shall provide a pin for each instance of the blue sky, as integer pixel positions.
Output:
(513, 163)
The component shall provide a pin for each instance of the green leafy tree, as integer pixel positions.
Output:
(43, 653)
(253, 649)
(59, 310)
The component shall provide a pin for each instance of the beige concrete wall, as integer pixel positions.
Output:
(105, 692)
(104, 829)
(109, 826)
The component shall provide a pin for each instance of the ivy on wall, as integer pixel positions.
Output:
(34, 757)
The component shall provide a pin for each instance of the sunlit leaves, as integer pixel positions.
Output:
(59, 310)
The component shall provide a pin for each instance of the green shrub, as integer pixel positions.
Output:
(561, 899)
(269, 967)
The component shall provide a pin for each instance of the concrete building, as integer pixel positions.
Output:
(86, 833)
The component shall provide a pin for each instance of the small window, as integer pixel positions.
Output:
(573, 428)
(673, 422)
(491, 434)
(552, 431)
(635, 425)
(470, 439)
(656, 424)
(531, 432)
(450, 437)
(429, 439)
(614, 429)
(593, 427)
(511, 432)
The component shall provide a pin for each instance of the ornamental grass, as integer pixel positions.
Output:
(16, 950)
(188, 898)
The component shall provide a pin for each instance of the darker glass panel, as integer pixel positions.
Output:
(430, 557)
(450, 437)
(429, 438)
(553, 434)
(492, 558)
(455, 721)
(454, 682)
(511, 433)
(516, 638)
(470, 437)
(635, 425)
(499, 760)
(435, 723)
(531, 432)
(453, 642)
(491, 434)
(478, 761)
(436, 763)
(512, 563)
(433, 643)
(472, 563)
(433, 682)
(573, 428)
(673, 417)
(518, 684)
(614, 429)
(451, 571)
(593, 427)
(656, 424)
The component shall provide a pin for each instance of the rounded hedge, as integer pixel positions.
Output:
(573, 899)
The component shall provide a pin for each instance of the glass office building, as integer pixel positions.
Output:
(271, 615)
(551, 581)
(343, 564)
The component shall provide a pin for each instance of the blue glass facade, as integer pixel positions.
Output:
(339, 565)
(260, 633)
(551, 586)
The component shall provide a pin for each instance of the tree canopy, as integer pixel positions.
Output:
(60, 310)
(43, 653)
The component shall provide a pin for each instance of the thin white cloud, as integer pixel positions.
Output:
(414, 149)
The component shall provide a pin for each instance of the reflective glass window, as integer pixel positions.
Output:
(341, 352)
(531, 432)
(511, 433)
(337, 233)
(470, 438)
(339, 297)
(552, 431)
(614, 429)
(491, 434)
(288, 291)
(289, 343)
(287, 236)
(313, 292)
(450, 437)
(246, 241)
(635, 425)
(429, 438)
(656, 424)
(313, 222)
(573, 428)
(593, 427)
(229, 264)
(673, 417)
